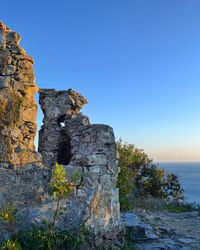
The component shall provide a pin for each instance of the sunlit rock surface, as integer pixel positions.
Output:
(17, 105)
(66, 137)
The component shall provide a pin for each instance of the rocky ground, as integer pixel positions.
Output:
(162, 230)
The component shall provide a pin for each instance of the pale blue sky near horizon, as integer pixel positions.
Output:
(136, 61)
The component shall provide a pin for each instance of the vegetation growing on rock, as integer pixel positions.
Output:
(48, 236)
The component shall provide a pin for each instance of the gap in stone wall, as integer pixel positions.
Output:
(64, 149)
(61, 120)
(39, 119)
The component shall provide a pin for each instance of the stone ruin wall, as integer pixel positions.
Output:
(66, 137)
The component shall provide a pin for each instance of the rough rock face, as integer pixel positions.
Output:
(68, 138)
(17, 106)
(158, 229)
(22, 188)
(55, 138)
(138, 231)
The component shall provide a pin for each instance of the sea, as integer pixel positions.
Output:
(189, 176)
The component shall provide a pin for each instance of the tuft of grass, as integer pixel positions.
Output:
(179, 208)
(159, 204)
(128, 242)
(128, 246)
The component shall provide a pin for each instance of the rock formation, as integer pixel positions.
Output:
(17, 105)
(63, 124)
(66, 137)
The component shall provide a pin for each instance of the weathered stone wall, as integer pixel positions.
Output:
(17, 105)
(58, 140)
(66, 137)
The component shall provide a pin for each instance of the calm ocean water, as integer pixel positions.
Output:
(189, 176)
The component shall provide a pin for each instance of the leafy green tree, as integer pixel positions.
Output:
(150, 181)
(140, 177)
(130, 161)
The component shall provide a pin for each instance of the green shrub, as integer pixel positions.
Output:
(150, 181)
(61, 188)
(128, 245)
(130, 161)
(139, 177)
(11, 245)
(43, 239)
(179, 207)
(8, 215)
(173, 189)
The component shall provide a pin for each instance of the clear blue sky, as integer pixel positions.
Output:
(136, 61)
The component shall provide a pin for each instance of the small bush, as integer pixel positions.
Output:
(130, 161)
(42, 239)
(8, 215)
(139, 177)
(11, 245)
(128, 245)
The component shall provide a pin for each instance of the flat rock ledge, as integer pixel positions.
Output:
(163, 230)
